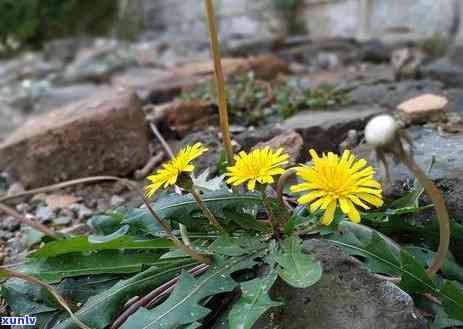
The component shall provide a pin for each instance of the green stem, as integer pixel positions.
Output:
(193, 254)
(209, 215)
(268, 209)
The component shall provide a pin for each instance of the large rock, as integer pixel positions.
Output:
(102, 135)
(443, 70)
(184, 116)
(346, 297)
(391, 94)
(324, 130)
(290, 141)
(447, 171)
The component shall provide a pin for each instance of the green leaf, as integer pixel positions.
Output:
(450, 270)
(452, 300)
(183, 305)
(100, 310)
(25, 298)
(414, 278)
(297, 268)
(85, 244)
(183, 209)
(54, 269)
(246, 221)
(378, 256)
(254, 301)
(106, 224)
(442, 320)
(204, 184)
(227, 246)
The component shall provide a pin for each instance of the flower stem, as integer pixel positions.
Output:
(193, 254)
(51, 290)
(268, 209)
(439, 204)
(209, 215)
(219, 80)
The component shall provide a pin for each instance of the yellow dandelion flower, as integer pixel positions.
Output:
(331, 180)
(168, 174)
(260, 165)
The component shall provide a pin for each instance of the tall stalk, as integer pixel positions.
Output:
(219, 80)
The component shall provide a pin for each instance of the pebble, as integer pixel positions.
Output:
(116, 201)
(81, 211)
(15, 188)
(44, 214)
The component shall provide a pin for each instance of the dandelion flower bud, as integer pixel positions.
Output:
(381, 130)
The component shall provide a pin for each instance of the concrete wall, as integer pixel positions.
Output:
(322, 18)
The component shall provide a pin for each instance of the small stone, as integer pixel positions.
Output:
(116, 201)
(23, 207)
(44, 214)
(56, 201)
(290, 141)
(10, 224)
(423, 109)
(81, 211)
(15, 188)
(62, 221)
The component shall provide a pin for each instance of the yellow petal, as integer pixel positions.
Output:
(328, 216)
(354, 215)
(372, 199)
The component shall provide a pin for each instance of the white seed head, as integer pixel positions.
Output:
(381, 130)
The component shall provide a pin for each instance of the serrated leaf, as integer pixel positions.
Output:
(54, 269)
(84, 244)
(414, 278)
(297, 268)
(204, 184)
(99, 311)
(183, 209)
(183, 305)
(254, 301)
(452, 300)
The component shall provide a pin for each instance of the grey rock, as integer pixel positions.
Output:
(98, 64)
(443, 70)
(325, 130)
(390, 95)
(81, 211)
(346, 297)
(447, 171)
(10, 119)
(251, 137)
(54, 97)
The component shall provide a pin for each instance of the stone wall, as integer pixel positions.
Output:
(322, 18)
